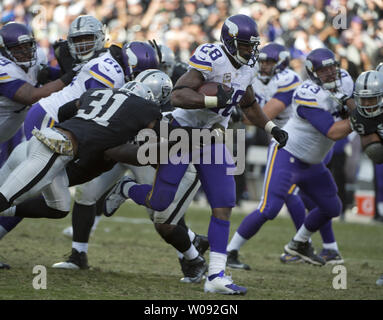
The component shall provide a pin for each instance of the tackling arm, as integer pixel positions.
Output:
(28, 94)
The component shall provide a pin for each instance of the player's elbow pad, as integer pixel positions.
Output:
(374, 151)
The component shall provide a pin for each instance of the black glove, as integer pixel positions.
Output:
(223, 96)
(280, 135)
(68, 77)
(63, 56)
(43, 74)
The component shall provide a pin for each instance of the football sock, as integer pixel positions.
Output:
(126, 188)
(327, 233)
(236, 242)
(191, 253)
(191, 235)
(80, 246)
(303, 235)
(331, 246)
(138, 193)
(83, 218)
(217, 262)
(218, 235)
(178, 238)
(296, 209)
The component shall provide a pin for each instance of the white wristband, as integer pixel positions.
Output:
(211, 102)
(269, 126)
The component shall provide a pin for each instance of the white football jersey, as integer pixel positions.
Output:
(305, 142)
(12, 113)
(104, 69)
(213, 63)
(280, 86)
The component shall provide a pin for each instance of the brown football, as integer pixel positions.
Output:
(210, 88)
(368, 139)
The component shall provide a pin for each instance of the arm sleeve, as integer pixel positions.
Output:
(8, 89)
(285, 97)
(320, 119)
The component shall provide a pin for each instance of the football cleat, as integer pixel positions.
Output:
(220, 283)
(379, 282)
(290, 259)
(201, 243)
(193, 270)
(305, 251)
(4, 266)
(331, 256)
(77, 260)
(233, 261)
(116, 197)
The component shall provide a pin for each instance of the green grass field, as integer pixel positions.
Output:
(130, 261)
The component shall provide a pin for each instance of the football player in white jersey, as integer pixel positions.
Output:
(20, 62)
(88, 194)
(106, 68)
(274, 86)
(313, 129)
(228, 63)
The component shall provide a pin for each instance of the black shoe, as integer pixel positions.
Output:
(305, 251)
(233, 261)
(201, 243)
(193, 270)
(77, 260)
(4, 266)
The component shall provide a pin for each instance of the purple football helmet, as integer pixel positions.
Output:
(276, 53)
(18, 44)
(138, 56)
(241, 29)
(323, 58)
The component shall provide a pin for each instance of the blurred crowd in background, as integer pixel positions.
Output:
(353, 29)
